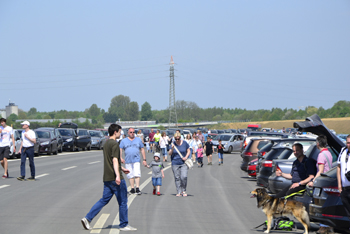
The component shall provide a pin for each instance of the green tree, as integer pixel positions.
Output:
(120, 106)
(32, 111)
(133, 111)
(146, 112)
(13, 118)
(94, 111)
(22, 115)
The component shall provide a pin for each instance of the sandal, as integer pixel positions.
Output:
(178, 195)
(184, 194)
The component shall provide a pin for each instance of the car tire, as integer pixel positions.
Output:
(72, 149)
(49, 151)
(229, 149)
(84, 148)
(55, 153)
(61, 149)
(89, 148)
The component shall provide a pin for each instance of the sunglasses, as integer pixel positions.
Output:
(177, 139)
(131, 132)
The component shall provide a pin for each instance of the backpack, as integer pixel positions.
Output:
(282, 223)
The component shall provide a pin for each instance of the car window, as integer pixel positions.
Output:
(286, 154)
(262, 144)
(43, 134)
(225, 137)
(65, 132)
(93, 134)
(82, 133)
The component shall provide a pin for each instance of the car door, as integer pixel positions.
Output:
(54, 141)
(59, 138)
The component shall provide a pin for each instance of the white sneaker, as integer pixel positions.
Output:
(86, 223)
(128, 228)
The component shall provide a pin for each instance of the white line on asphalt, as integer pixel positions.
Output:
(44, 156)
(67, 168)
(114, 229)
(4, 186)
(94, 162)
(41, 175)
(99, 224)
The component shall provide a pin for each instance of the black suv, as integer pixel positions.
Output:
(83, 139)
(58, 137)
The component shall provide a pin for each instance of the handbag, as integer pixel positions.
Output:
(188, 161)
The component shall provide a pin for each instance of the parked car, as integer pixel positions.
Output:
(231, 142)
(48, 141)
(97, 139)
(83, 139)
(214, 131)
(104, 131)
(234, 130)
(58, 137)
(18, 141)
(221, 131)
(69, 138)
(252, 134)
(251, 151)
(252, 167)
(212, 135)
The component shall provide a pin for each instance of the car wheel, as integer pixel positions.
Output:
(84, 148)
(72, 149)
(61, 149)
(229, 149)
(56, 151)
(89, 148)
(49, 151)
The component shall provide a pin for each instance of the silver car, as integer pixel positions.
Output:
(97, 139)
(231, 142)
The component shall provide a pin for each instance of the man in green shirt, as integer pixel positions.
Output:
(114, 182)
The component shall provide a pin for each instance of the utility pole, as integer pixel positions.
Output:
(172, 105)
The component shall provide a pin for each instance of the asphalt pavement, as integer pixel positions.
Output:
(69, 184)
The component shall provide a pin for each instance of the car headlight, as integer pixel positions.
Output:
(226, 143)
(69, 139)
(45, 143)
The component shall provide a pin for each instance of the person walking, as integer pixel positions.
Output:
(343, 176)
(132, 146)
(157, 137)
(157, 173)
(195, 143)
(200, 155)
(324, 164)
(140, 135)
(5, 144)
(151, 139)
(27, 150)
(163, 143)
(189, 141)
(201, 137)
(113, 182)
(179, 167)
(209, 149)
(220, 153)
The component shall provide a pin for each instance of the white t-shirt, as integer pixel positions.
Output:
(343, 167)
(121, 136)
(163, 141)
(195, 145)
(6, 134)
(26, 142)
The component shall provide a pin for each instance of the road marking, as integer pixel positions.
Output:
(67, 168)
(94, 162)
(115, 226)
(41, 175)
(4, 186)
(100, 223)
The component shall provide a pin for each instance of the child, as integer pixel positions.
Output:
(220, 153)
(200, 155)
(157, 173)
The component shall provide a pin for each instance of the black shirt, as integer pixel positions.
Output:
(208, 147)
(301, 170)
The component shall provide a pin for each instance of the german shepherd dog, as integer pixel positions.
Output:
(272, 206)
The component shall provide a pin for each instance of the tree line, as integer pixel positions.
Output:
(123, 109)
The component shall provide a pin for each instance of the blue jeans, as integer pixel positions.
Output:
(220, 155)
(164, 151)
(29, 152)
(120, 191)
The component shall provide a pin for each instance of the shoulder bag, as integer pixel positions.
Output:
(188, 161)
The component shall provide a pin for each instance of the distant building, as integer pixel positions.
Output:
(11, 109)
(3, 113)
(81, 120)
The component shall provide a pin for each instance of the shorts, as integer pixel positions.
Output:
(157, 181)
(209, 153)
(4, 152)
(151, 142)
(220, 155)
(134, 169)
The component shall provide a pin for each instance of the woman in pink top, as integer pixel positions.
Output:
(200, 155)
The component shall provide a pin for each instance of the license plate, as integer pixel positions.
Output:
(317, 192)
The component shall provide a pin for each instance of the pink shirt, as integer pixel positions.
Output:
(321, 159)
(200, 152)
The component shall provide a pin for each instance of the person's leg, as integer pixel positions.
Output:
(210, 158)
(130, 176)
(137, 173)
(4, 165)
(122, 197)
(345, 198)
(183, 177)
(158, 188)
(137, 182)
(106, 197)
(295, 190)
(23, 162)
(176, 172)
(31, 161)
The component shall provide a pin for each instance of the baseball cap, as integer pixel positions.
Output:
(25, 122)
(156, 155)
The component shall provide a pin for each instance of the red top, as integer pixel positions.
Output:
(151, 136)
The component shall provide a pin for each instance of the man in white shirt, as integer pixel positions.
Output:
(343, 182)
(27, 150)
(5, 144)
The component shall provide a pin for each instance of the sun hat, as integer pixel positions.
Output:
(25, 123)
(156, 155)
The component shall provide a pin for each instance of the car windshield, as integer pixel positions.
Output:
(65, 132)
(264, 134)
(42, 134)
(105, 133)
(224, 137)
(95, 134)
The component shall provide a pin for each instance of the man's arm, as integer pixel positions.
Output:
(116, 170)
(144, 156)
(13, 142)
(303, 182)
(121, 158)
(339, 179)
(285, 175)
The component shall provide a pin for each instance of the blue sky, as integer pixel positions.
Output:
(247, 54)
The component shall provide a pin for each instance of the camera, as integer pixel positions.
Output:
(347, 175)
